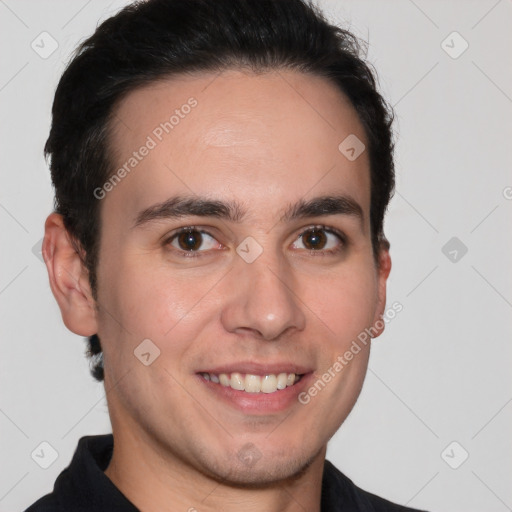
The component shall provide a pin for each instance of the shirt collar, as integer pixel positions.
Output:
(84, 486)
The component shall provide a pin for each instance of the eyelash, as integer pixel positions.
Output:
(322, 252)
(332, 231)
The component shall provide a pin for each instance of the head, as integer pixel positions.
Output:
(205, 201)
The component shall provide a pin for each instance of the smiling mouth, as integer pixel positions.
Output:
(251, 383)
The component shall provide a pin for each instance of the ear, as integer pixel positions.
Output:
(69, 280)
(383, 270)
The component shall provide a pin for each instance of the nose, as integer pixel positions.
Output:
(262, 300)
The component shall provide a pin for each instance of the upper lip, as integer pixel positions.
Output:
(258, 368)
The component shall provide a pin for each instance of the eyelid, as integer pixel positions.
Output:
(342, 238)
(328, 229)
(184, 229)
(169, 238)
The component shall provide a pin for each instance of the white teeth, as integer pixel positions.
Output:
(253, 383)
(269, 384)
(282, 379)
(237, 381)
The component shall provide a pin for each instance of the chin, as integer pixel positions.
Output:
(250, 469)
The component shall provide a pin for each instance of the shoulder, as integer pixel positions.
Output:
(382, 505)
(47, 503)
(77, 487)
(339, 493)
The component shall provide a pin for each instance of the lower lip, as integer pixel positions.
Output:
(259, 403)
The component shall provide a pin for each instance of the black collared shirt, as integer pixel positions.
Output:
(84, 487)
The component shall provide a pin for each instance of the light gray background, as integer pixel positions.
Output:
(441, 371)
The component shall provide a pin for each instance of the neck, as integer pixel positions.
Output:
(157, 482)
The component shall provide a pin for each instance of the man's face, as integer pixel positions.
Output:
(207, 299)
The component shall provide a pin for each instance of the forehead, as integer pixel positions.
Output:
(260, 138)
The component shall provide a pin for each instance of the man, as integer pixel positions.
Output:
(221, 170)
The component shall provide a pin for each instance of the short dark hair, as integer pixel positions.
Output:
(156, 39)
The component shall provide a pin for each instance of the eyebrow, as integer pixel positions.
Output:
(184, 206)
(233, 211)
(324, 205)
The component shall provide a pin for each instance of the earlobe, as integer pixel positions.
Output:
(68, 278)
(384, 269)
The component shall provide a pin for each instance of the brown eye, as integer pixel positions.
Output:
(314, 239)
(190, 240)
(320, 239)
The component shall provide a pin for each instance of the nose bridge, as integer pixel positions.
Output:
(263, 298)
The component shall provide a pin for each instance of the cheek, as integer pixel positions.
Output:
(147, 301)
(346, 304)
(142, 304)
(345, 308)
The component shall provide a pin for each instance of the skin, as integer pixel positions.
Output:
(265, 141)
